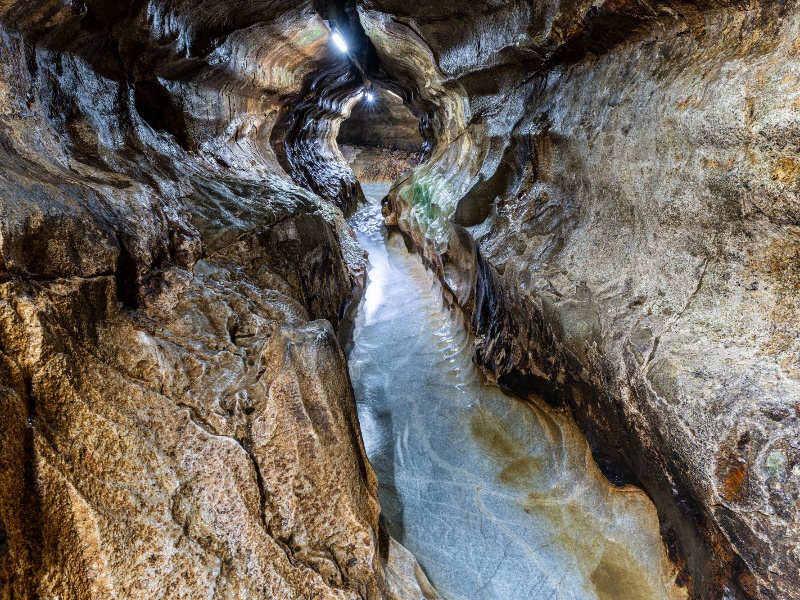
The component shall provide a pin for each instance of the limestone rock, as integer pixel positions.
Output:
(179, 420)
(613, 201)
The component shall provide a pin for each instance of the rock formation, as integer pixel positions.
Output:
(178, 418)
(613, 199)
(609, 190)
(380, 138)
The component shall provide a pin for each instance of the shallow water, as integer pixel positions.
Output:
(496, 497)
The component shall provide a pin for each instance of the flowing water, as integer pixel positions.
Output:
(497, 498)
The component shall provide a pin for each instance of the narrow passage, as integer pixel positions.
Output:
(496, 497)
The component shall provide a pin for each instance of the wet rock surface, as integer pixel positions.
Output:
(378, 164)
(609, 192)
(380, 139)
(612, 200)
(495, 496)
(178, 416)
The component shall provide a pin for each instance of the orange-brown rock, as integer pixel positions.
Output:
(178, 416)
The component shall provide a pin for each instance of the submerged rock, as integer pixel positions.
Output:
(611, 201)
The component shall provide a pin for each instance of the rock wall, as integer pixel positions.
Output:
(612, 199)
(610, 194)
(380, 138)
(378, 164)
(382, 122)
(179, 421)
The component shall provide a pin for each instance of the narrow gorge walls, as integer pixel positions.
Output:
(612, 200)
(178, 417)
(608, 189)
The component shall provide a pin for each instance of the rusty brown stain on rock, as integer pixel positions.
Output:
(612, 571)
(733, 467)
(787, 170)
(520, 471)
(490, 434)
(517, 469)
(613, 580)
(735, 472)
(790, 365)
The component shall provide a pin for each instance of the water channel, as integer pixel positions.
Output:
(498, 498)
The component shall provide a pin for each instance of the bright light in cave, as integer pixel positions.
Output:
(339, 41)
(370, 97)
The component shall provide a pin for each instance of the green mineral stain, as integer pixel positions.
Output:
(426, 209)
(311, 36)
(775, 464)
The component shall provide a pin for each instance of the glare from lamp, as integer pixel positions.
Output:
(339, 41)
(370, 97)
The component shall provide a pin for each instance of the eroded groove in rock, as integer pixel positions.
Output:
(625, 172)
(179, 417)
(496, 497)
(608, 189)
(381, 138)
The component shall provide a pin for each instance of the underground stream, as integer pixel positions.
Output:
(496, 497)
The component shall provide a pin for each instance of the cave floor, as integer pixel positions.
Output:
(496, 497)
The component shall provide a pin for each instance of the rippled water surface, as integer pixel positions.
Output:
(496, 497)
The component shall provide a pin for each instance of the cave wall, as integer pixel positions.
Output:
(179, 417)
(383, 122)
(610, 193)
(612, 199)
(380, 138)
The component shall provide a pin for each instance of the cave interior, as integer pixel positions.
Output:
(280, 279)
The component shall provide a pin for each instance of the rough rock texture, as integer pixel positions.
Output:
(178, 417)
(383, 122)
(495, 496)
(378, 164)
(613, 199)
(611, 195)
(380, 139)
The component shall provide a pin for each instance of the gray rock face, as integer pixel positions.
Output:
(626, 174)
(178, 416)
(383, 122)
(378, 164)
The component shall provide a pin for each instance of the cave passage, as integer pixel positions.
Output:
(380, 137)
(495, 497)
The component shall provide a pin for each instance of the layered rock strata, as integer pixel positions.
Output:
(378, 165)
(179, 421)
(380, 139)
(613, 200)
(611, 195)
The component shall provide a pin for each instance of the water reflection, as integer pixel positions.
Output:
(497, 498)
